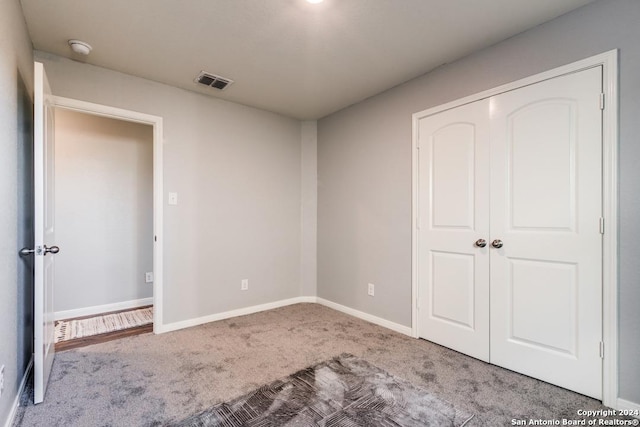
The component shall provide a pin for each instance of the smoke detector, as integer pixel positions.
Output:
(212, 80)
(80, 47)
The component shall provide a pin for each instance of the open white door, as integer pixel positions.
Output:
(44, 331)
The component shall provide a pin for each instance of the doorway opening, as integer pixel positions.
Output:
(109, 221)
(104, 221)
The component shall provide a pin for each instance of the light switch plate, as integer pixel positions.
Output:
(173, 198)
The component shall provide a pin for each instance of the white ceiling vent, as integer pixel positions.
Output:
(213, 81)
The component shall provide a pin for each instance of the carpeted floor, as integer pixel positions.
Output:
(343, 391)
(151, 380)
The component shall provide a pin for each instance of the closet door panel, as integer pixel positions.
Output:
(546, 198)
(542, 165)
(453, 273)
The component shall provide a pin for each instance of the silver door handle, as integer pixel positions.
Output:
(52, 250)
(481, 243)
(26, 251)
(497, 243)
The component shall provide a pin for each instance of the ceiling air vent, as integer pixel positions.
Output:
(213, 81)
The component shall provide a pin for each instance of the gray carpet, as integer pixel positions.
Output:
(342, 392)
(151, 380)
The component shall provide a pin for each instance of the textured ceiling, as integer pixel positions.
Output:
(286, 56)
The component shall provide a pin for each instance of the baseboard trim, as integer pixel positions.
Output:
(629, 406)
(99, 309)
(16, 402)
(406, 330)
(229, 314)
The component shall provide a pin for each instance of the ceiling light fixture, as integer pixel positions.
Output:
(314, 1)
(80, 47)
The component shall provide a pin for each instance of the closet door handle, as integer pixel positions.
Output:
(51, 250)
(497, 243)
(481, 243)
(26, 251)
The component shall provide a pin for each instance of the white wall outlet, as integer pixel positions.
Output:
(1, 379)
(173, 198)
(244, 285)
(371, 289)
(148, 277)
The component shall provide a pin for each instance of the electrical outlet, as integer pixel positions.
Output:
(371, 289)
(148, 277)
(1, 379)
(244, 286)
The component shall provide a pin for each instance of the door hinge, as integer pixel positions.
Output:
(601, 225)
(601, 350)
(602, 101)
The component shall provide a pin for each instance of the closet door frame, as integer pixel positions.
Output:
(609, 63)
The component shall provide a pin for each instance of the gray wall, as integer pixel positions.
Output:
(364, 167)
(104, 210)
(237, 173)
(16, 88)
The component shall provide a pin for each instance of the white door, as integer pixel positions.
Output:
(546, 204)
(44, 331)
(522, 170)
(453, 272)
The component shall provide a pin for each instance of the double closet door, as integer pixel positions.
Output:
(509, 241)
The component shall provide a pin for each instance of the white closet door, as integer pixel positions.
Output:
(546, 198)
(453, 272)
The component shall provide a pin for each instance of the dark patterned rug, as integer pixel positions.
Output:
(343, 391)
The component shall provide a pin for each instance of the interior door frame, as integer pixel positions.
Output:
(609, 62)
(158, 139)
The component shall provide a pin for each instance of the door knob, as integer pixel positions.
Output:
(497, 243)
(481, 243)
(51, 250)
(26, 251)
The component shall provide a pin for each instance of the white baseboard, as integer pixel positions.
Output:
(228, 314)
(406, 330)
(629, 406)
(159, 329)
(99, 309)
(16, 402)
